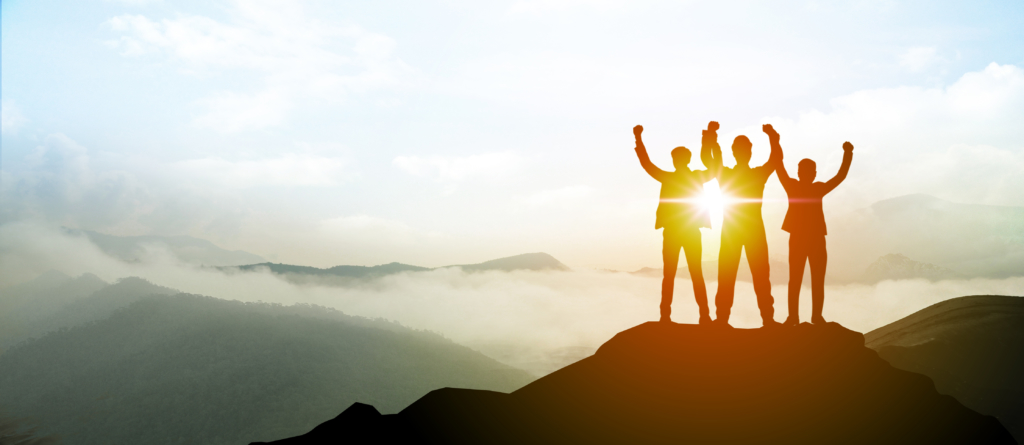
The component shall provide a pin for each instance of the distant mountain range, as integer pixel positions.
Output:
(778, 271)
(132, 362)
(528, 261)
(971, 240)
(898, 267)
(186, 248)
(971, 347)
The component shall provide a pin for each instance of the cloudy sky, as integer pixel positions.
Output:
(434, 133)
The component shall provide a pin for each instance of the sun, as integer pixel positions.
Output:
(714, 201)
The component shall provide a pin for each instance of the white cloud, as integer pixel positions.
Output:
(571, 193)
(287, 170)
(296, 56)
(547, 6)
(450, 169)
(963, 142)
(60, 185)
(920, 58)
(11, 117)
(230, 112)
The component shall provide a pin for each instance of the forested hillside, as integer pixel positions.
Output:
(193, 369)
(59, 303)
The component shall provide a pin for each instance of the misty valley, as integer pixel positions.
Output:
(180, 341)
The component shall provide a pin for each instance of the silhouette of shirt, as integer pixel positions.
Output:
(805, 215)
(680, 206)
(745, 187)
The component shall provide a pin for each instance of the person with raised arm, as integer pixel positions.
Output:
(743, 227)
(805, 222)
(682, 216)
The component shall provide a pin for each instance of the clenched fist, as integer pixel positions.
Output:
(770, 131)
(847, 146)
(637, 130)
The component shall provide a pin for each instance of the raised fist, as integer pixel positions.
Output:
(847, 146)
(637, 130)
(769, 130)
(713, 126)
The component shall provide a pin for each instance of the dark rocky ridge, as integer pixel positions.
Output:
(671, 383)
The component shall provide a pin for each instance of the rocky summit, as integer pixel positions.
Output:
(674, 383)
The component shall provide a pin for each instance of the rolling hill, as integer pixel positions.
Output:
(971, 347)
(192, 369)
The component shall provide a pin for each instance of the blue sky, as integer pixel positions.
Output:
(434, 133)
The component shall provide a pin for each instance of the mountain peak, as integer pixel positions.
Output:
(672, 383)
(526, 261)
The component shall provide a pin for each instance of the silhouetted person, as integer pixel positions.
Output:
(682, 216)
(805, 222)
(742, 226)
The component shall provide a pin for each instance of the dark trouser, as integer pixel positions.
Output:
(733, 241)
(689, 240)
(803, 248)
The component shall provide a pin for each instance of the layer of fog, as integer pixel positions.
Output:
(530, 313)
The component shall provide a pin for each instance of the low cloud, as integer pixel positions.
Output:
(538, 312)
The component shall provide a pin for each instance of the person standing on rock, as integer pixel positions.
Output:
(805, 222)
(742, 226)
(682, 215)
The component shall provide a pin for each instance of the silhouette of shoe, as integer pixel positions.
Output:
(771, 323)
(705, 320)
(665, 319)
(819, 320)
(722, 324)
(791, 321)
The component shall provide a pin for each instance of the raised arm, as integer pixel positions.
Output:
(645, 161)
(775, 159)
(843, 169)
(710, 151)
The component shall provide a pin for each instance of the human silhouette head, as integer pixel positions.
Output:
(807, 170)
(681, 157)
(741, 150)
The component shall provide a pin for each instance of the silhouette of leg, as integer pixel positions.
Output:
(797, 262)
(728, 263)
(818, 256)
(670, 253)
(757, 257)
(693, 250)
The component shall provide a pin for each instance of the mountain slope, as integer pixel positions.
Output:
(971, 347)
(526, 261)
(671, 383)
(190, 369)
(25, 306)
(66, 306)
